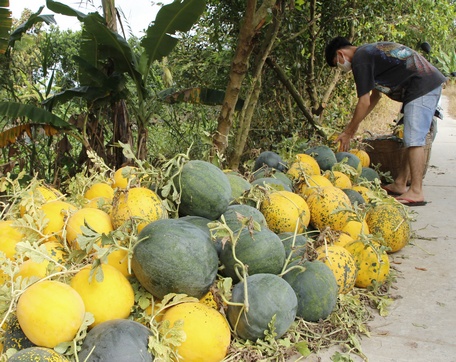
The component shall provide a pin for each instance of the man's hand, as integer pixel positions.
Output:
(364, 106)
(344, 142)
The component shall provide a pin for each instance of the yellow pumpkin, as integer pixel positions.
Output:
(99, 189)
(354, 228)
(207, 332)
(305, 158)
(139, 203)
(10, 236)
(341, 263)
(50, 312)
(209, 300)
(343, 239)
(102, 203)
(362, 155)
(107, 295)
(339, 179)
(298, 171)
(39, 269)
(311, 184)
(123, 177)
(97, 220)
(285, 211)
(372, 263)
(391, 222)
(40, 195)
(324, 208)
(119, 260)
(56, 212)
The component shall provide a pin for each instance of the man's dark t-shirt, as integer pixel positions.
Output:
(395, 70)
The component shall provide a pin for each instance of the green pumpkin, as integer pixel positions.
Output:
(174, 256)
(14, 337)
(272, 182)
(369, 174)
(262, 251)
(269, 296)
(233, 212)
(269, 159)
(351, 160)
(239, 186)
(316, 289)
(324, 156)
(205, 190)
(300, 242)
(354, 196)
(37, 354)
(117, 340)
(268, 172)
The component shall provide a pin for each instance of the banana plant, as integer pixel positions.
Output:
(101, 45)
(106, 61)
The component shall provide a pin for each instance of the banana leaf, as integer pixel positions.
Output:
(11, 135)
(31, 21)
(36, 115)
(206, 96)
(180, 15)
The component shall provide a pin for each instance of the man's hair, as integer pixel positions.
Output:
(333, 46)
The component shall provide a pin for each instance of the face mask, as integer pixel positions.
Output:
(346, 66)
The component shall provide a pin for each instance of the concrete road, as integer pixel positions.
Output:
(421, 325)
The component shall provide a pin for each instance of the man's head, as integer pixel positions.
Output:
(332, 48)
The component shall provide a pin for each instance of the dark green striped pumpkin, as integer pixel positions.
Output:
(269, 297)
(174, 256)
(261, 250)
(316, 289)
(117, 340)
(205, 190)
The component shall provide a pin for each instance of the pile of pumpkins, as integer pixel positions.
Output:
(107, 273)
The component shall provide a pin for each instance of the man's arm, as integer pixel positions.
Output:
(365, 105)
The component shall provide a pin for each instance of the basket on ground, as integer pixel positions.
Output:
(389, 152)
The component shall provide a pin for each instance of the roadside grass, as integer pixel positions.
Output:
(450, 92)
(381, 120)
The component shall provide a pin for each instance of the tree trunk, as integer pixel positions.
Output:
(110, 14)
(119, 116)
(245, 118)
(252, 23)
(295, 94)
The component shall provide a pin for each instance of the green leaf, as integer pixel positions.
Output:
(36, 115)
(303, 348)
(110, 45)
(63, 9)
(35, 18)
(180, 15)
